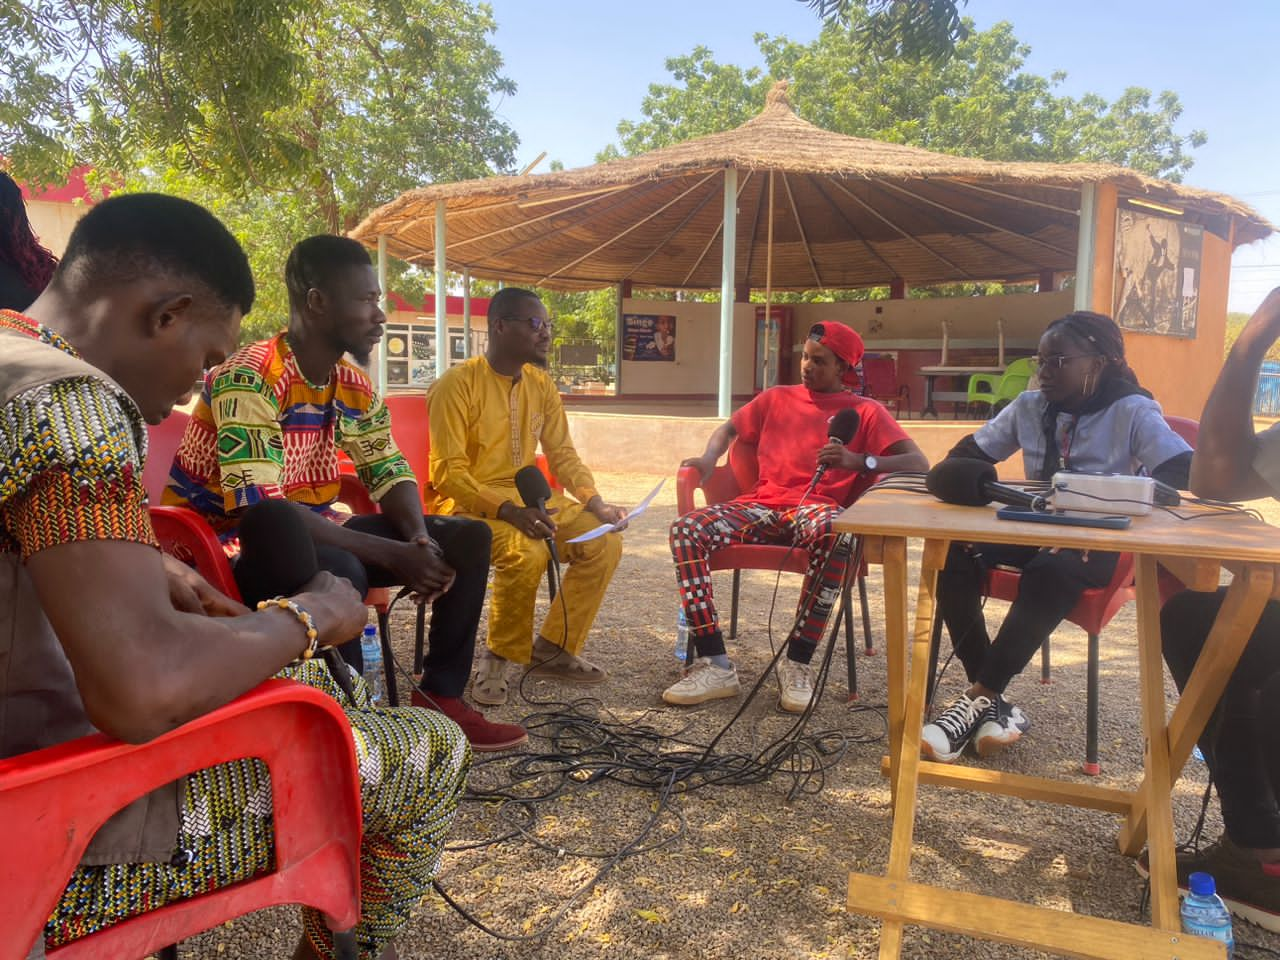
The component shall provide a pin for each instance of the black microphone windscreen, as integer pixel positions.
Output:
(961, 480)
(844, 425)
(532, 485)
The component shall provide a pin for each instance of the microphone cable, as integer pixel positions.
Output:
(588, 744)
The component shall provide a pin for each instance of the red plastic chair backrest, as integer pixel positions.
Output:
(58, 797)
(1186, 428)
(411, 431)
(163, 440)
(879, 377)
(184, 535)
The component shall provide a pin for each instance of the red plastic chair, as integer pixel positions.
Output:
(880, 382)
(58, 797)
(726, 483)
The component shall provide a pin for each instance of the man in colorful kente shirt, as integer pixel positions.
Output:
(268, 426)
(100, 630)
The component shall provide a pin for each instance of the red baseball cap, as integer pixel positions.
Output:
(844, 342)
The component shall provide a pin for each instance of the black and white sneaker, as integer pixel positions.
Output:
(1001, 724)
(946, 738)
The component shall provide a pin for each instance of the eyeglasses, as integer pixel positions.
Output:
(536, 322)
(1058, 360)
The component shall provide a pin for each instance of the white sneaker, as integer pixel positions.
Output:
(945, 738)
(1002, 724)
(704, 681)
(795, 686)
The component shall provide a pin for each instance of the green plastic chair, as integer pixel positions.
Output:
(996, 391)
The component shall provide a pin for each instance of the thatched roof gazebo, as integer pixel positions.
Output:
(807, 208)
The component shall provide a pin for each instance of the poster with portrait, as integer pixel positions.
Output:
(1157, 283)
(648, 336)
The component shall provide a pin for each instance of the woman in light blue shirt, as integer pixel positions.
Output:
(1090, 416)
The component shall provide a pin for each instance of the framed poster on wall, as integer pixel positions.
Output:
(647, 336)
(1157, 282)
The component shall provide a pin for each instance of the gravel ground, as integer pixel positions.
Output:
(745, 871)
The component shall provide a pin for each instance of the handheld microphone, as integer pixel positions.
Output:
(535, 492)
(972, 483)
(841, 428)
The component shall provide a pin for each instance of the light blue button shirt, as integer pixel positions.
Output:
(1128, 437)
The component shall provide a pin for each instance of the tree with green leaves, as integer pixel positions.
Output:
(285, 117)
(916, 29)
(980, 102)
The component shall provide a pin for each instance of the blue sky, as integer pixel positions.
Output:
(582, 66)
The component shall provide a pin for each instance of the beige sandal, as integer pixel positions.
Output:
(563, 665)
(490, 685)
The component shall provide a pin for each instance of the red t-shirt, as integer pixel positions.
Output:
(788, 425)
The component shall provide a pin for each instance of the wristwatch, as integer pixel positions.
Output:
(869, 463)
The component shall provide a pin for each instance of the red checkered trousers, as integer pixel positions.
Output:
(698, 533)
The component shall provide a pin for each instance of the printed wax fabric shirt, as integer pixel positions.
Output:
(262, 431)
(72, 444)
(1121, 438)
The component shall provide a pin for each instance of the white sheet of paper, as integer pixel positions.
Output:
(604, 528)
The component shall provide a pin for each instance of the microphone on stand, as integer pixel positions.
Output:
(841, 428)
(535, 492)
(972, 483)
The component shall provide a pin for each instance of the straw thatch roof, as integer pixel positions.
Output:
(847, 212)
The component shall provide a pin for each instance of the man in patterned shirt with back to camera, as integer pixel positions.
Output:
(268, 426)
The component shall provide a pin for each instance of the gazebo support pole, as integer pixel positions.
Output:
(728, 243)
(768, 295)
(466, 313)
(624, 294)
(1084, 247)
(383, 303)
(442, 295)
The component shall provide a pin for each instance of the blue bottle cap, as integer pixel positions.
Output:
(1202, 884)
(370, 630)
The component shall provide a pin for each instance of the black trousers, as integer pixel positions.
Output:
(273, 561)
(1241, 742)
(1050, 585)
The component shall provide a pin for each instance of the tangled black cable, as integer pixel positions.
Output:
(586, 744)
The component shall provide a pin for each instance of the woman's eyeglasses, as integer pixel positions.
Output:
(1057, 361)
(538, 323)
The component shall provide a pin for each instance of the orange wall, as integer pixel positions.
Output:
(1178, 371)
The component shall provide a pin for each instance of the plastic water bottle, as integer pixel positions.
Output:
(1204, 914)
(682, 635)
(374, 679)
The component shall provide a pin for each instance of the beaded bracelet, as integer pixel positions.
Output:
(313, 635)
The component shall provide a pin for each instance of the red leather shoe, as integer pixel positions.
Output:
(485, 735)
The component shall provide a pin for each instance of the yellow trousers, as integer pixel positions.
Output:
(518, 566)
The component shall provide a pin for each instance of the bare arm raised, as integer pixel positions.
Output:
(1222, 467)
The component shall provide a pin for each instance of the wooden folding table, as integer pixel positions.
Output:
(1196, 550)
